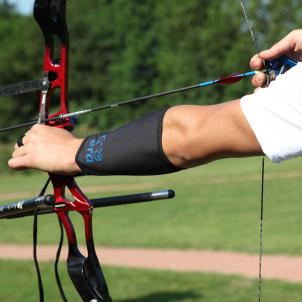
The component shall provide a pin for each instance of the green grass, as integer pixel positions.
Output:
(216, 207)
(145, 286)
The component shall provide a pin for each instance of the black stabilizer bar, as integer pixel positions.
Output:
(45, 204)
(24, 87)
(129, 199)
(27, 207)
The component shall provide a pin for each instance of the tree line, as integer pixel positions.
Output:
(121, 49)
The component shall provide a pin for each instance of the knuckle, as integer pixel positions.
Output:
(35, 127)
(28, 160)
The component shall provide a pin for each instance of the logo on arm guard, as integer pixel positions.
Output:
(95, 149)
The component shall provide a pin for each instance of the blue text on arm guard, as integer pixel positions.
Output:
(95, 149)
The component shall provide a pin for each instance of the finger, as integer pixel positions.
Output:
(256, 62)
(259, 80)
(19, 152)
(40, 128)
(18, 163)
(29, 137)
(20, 140)
(284, 46)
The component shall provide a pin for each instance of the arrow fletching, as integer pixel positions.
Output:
(235, 77)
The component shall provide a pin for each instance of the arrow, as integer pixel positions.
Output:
(230, 79)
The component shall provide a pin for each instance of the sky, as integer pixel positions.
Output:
(24, 6)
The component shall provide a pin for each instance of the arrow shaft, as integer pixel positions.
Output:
(238, 76)
(224, 80)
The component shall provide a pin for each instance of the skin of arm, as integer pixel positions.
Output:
(196, 135)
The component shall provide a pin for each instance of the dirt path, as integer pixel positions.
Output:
(279, 267)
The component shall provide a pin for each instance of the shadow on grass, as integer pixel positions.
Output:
(166, 297)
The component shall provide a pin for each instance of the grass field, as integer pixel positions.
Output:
(216, 207)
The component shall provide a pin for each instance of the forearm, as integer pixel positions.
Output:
(133, 149)
(167, 141)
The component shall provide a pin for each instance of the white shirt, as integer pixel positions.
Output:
(275, 115)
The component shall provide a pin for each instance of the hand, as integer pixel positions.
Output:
(290, 45)
(47, 149)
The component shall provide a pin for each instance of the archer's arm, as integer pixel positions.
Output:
(169, 140)
(181, 137)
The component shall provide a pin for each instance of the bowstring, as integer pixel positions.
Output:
(261, 231)
(256, 45)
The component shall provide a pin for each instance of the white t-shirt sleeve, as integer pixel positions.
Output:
(275, 115)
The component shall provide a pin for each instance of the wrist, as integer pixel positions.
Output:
(72, 166)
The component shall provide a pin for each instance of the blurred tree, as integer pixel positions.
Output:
(123, 49)
(6, 8)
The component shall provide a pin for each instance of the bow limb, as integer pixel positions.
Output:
(51, 17)
(85, 272)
